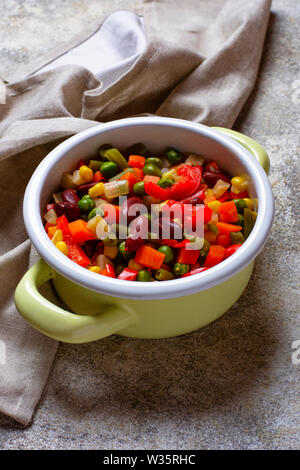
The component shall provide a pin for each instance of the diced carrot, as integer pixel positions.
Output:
(131, 178)
(79, 231)
(228, 212)
(149, 257)
(226, 228)
(98, 177)
(214, 256)
(151, 178)
(138, 173)
(187, 256)
(136, 161)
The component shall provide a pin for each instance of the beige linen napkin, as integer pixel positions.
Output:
(200, 64)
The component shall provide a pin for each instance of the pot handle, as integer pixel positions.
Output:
(254, 147)
(58, 323)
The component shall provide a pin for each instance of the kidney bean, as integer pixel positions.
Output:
(84, 188)
(211, 177)
(129, 205)
(166, 228)
(132, 245)
(69, 195)
(69, 210)
(196, 198)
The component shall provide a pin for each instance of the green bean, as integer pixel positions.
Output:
(249, 221)
(236, 237)
(163, 275)
(113, 155)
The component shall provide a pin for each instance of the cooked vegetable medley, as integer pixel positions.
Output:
(154, 195)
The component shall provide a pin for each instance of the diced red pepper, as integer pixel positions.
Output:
(212, 166)
(97, 177)
(75, 252)
(186, 256)
(128, 274)
(109, 271)
(224, 239)
(241, 195)
(214, 256)
(231, 250)
(225, 197)
(187, 185)
(228, 212)
(195, 271)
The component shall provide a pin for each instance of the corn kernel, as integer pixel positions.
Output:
(57, 236)
(110, 251)
(95, 269)
(239, 184)
(62, 246)
(214, 205)
(209, 192)
(249, 203)
(97, 190)
(135, 266)
(86, 173)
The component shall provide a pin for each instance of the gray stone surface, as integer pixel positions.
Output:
(231, 385)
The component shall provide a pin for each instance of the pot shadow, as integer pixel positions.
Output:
(199, 371)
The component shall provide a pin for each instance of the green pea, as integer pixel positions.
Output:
(143, 276)
(95, 165)
(179, 269)
(240, 205)
(139, 188)
(123, 252)
(165, 182)
(151, 169)
(236, 237)
(102, 151)
(154, 161)
(119, 268)
(174, 156)
(96, 211)
(163, 275)
(86, 204)
(109, 169)
(168, 252)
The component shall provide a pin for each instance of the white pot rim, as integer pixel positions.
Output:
(143, 290)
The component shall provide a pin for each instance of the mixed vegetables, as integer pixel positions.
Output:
(85, 219)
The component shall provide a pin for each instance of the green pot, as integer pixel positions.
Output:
(103, 306)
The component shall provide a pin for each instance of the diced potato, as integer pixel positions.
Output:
(67, 181)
